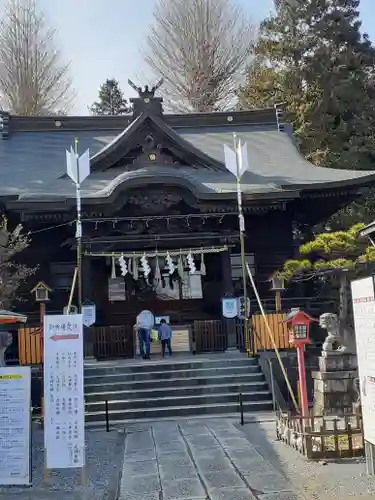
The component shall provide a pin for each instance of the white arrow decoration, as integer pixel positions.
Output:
(78, 167)
(231, 160)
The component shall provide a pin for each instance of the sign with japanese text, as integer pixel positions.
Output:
(363, 298)
(89, 314)
(15, 426)
(64, 406)
(241, 307)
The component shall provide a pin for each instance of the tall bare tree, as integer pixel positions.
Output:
(33, 78)
(200, 48)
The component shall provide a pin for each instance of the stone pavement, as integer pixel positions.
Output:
(197, 460)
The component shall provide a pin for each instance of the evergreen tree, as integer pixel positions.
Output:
(111, 100)
(312, 57)
(336, 258)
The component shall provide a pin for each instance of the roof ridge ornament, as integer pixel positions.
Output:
(146, 100)
(147, 92)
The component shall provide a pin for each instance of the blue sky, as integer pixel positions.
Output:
(104, 39)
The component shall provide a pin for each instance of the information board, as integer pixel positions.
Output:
(64, 407)
(15, 426)
(363, 298)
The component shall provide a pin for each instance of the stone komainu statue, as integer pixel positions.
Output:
(6, 339)
(334, 342)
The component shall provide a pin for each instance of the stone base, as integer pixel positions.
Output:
(334, 386)
(336, 362)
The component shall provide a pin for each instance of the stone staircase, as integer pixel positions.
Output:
(174, 387)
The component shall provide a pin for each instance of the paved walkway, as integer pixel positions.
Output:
(207, 460)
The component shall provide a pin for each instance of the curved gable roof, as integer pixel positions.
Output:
(113, 152)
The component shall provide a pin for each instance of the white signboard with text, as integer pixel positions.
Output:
(64, 406)
(229, 307)
(89, 314)
(15, 426)
(363, 298)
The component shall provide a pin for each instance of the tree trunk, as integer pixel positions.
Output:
(345, 327)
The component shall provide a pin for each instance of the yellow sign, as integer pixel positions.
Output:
(10, 377)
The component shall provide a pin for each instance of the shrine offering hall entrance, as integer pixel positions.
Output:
(183, 286)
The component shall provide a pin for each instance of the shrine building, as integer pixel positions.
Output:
(159, 190)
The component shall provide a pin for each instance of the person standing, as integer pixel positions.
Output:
(165, 336)
(145, 321)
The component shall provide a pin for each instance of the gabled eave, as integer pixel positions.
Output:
(115, 151)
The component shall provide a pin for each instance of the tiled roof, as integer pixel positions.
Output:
(32, 164)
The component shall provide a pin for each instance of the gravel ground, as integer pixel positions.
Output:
(338, 480)
(104, 458)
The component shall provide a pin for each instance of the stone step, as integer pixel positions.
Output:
(167, 364)
(180, 401)
(120, 416)
(171, 391)
(105, 384)
(168, 374)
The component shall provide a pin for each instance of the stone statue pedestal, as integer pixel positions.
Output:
(334, 384)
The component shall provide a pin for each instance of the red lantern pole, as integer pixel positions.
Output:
(302, 380)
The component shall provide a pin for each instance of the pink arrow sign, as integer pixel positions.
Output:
(72, 336)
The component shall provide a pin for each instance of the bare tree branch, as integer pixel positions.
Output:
(33, 78)
(200, 48)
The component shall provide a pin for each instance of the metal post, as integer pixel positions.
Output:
(78, 229)
(272, 386)
(106, 416)
(241, 408)
(241, 221)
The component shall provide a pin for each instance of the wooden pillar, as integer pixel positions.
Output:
(86, 278)
(228, 290)
(87, 295)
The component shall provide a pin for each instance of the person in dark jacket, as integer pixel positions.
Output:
(165, 336)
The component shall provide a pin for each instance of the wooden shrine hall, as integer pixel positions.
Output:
(160, 221)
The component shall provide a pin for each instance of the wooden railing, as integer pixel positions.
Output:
(112, 342)
(261, 337)
(30, 346)
(322, 437)
(209, 336)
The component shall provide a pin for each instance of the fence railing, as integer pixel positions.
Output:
(262, 340)
(30, 346)
(322, 437)
(209, 335)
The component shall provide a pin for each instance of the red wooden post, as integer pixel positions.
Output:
(299, 332)
(302, 380)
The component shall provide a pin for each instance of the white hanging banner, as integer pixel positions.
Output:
(363, 299)
(230, 307)
(89, 314)
(15, 426)
(64, 407)
(241, 307)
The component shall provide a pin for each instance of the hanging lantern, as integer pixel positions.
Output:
(191, 264)
(203, 265)
(123, 266)
(170, 265)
